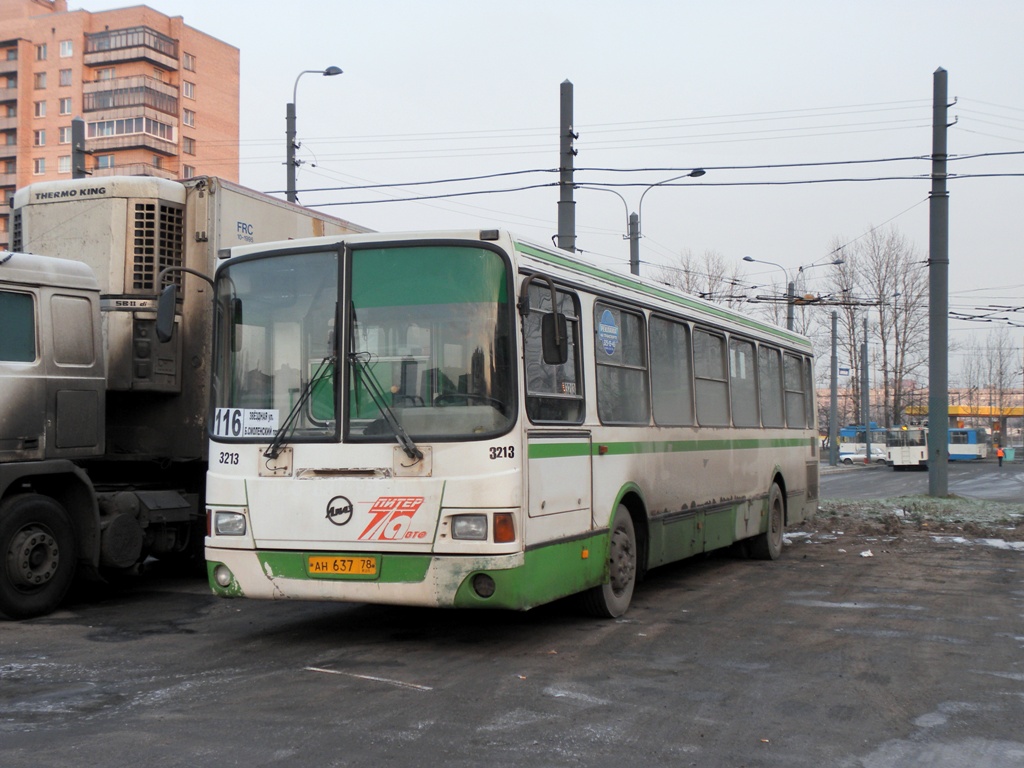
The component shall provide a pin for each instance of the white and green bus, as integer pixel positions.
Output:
(464, 419)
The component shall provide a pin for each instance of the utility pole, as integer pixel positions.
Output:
(938, 297)
(833, 415)
(865, 394)
(78, 151)
(566, 204)
(634, 243)
(790, 308)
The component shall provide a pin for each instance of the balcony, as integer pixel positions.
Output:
(136, 44)
(7, 66)
(8, 180)
(9, 94)
(131, 141)
(135, 169)
(8, 123)
(137, 91)
(8, 150)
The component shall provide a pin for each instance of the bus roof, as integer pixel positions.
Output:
(565, 263)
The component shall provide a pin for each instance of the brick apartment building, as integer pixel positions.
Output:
(158, 98)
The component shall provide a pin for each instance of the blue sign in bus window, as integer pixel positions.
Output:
(608, 332)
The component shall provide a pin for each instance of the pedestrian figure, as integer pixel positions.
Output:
(999, 455)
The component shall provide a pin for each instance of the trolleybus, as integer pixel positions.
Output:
(967, 444)
(907, 448)
(465, 419)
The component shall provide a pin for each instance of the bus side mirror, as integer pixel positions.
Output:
(554, 338)
(165, 309)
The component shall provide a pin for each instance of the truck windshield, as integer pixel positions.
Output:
(426, 354)
(431, 325)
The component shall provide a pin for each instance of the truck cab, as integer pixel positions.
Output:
(52, 375)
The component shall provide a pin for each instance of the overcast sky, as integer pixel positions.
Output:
(446, 89)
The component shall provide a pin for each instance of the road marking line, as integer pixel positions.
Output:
(398, 683)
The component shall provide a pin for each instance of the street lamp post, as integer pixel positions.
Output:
(633, 219)
(635, 232)
(290, 160)
(791, 287)
(791, 284)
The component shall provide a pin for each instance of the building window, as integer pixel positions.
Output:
(187, 171)
(12, 54)
(39, 166)
(64, 164)
(39, 138)
(10, 138)
(41, 52)
(12, 110)
(67, 49)
(105, 73)
(39, 81)
(39, 108)
(65, 77)
(64, 135)
(188, 90)
(158, 161)
(188, 146)
(104, 161)
(188, 62)
(65, 106)
(188, 117)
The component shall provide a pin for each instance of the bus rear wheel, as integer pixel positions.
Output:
(768, 545)
(610, 600)
(37, 555)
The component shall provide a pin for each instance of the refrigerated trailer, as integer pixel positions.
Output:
(118, 460)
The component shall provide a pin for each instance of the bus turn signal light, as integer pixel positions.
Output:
(504, 530)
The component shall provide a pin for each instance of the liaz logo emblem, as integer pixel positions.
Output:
(339, 510)
(392, 519)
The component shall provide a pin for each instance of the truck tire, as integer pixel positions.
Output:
(37, 555)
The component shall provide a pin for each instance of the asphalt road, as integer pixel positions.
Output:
(913, 656)
(983, 479)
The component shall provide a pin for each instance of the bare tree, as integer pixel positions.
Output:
(709, 276)
(883, 279)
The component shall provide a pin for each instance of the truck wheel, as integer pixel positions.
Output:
(612, 599)
(37, 544)
(768, 545)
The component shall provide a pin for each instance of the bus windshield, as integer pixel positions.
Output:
(428, 353)
(275, 348)
(430, 332)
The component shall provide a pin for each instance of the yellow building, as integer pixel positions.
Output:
(157, 97)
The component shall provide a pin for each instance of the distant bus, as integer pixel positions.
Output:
(967, 444)
(853, 441)
(907, 448)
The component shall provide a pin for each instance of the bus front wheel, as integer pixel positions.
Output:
(768, 545)
(610, 600)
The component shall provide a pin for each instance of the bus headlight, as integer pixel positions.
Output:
(229, 523)
(471, 527)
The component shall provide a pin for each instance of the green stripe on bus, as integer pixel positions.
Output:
(600, 448)
(650, 290)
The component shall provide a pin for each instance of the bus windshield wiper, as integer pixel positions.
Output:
(362, 360)
(288, 425)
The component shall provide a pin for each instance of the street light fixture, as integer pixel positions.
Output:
(633, 219)
(791, 284)
(290, 161)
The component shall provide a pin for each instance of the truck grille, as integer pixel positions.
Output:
(159, 238)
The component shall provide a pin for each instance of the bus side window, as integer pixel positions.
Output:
(554, 393)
